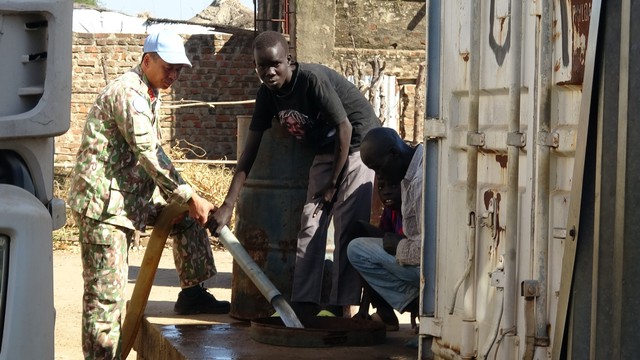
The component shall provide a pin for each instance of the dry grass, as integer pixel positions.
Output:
(211, 182)
(67, 236)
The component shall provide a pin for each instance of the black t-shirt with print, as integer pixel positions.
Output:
(319, 99)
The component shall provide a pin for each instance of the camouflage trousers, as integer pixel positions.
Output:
(104, 249)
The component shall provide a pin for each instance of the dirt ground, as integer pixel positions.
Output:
(67, 284)
(67, 281)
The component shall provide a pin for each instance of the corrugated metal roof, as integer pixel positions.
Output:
(103, 21)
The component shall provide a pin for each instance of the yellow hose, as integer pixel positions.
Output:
(148, 268)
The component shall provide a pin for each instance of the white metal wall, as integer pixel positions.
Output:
(496, 49)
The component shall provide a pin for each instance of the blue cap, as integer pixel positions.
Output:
(168, 45)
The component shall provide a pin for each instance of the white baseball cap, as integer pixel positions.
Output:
(168, 45)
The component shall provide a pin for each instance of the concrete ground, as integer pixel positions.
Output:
(167, 336)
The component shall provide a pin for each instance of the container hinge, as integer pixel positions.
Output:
(548, 139)
(530, 289)
(475, 139)
(517, 139)
(434, 128)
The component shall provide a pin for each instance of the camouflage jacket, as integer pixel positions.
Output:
(120, 161)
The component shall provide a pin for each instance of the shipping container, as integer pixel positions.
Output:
(504, 95)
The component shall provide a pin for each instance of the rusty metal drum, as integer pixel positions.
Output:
(268, 216)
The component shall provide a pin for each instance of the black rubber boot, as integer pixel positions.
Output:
(197, 300)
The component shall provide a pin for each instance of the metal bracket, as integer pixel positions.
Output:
(530, 289)
(548, 139)
(434, 128)
(475, 139)
(430, 326)
(559, 233)
(497, 279)
(517, 139)
(535, 9)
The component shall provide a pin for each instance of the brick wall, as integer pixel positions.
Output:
(222, 71)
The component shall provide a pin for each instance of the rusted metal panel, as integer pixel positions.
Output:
(572, 35)
(268, 218)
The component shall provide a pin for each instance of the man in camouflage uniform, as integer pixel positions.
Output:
(121, 181)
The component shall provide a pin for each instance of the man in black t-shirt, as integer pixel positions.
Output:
(325, 111)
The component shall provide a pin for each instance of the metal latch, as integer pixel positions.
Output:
(548, 139)
(517, 139)
(497, 279)
(530, 289)
(434, 128)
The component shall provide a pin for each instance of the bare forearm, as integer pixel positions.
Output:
(341, 152)
(222, 216)
(245, 163)
(237, 183)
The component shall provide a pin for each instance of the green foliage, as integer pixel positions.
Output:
(87, 2)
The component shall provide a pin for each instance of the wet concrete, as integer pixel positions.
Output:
(220, 337)
(166, 336)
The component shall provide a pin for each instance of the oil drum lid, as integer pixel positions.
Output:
(319, 331)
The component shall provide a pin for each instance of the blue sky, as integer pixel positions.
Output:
(166, 9)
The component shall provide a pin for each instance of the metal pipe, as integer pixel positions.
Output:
(247, 264)
(509, 322)
(484, 353)
(468, 344)
(431, 164)
(541, 218)
(258, 277)
(430, 175)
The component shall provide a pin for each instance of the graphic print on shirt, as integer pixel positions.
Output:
(304, 128)
(295, 122)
